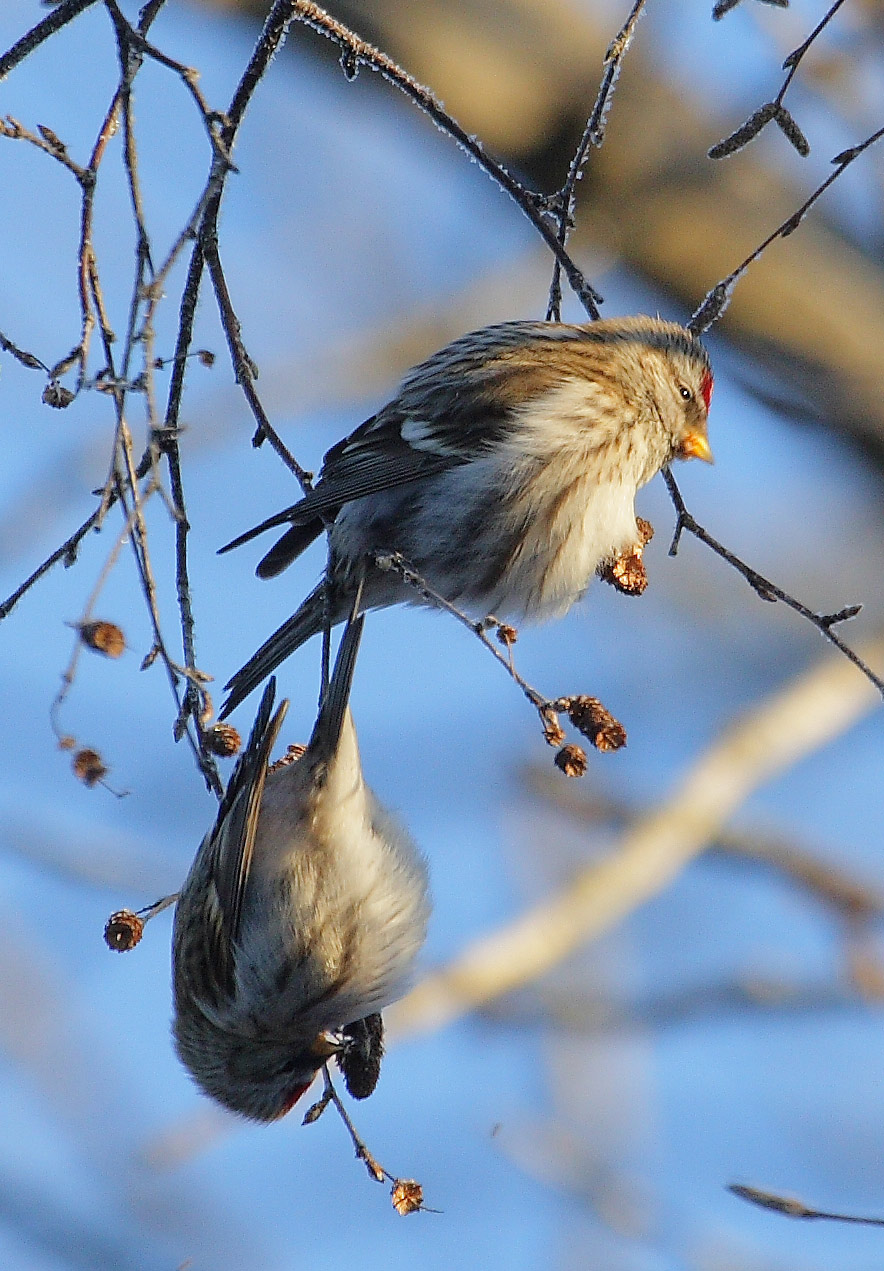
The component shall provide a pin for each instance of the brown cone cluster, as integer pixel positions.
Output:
(123, 931)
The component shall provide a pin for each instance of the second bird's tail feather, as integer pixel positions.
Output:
(333, 709)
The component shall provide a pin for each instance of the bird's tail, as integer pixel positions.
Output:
(279, 518)
(296, 539)
(333, 710)
(307, 621)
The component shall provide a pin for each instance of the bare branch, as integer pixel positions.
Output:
(765, 589)
(807, 714)
(593, 135)
(359, 51)
(54, 21)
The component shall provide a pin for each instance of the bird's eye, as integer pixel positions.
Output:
(685, 392)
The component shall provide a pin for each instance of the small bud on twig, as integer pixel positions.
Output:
(57, 396)
(315, 1111)
(52, 139)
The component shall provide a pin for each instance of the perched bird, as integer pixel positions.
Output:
(504, 470)
(300, 919)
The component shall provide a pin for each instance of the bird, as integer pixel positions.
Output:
(504, 471)
(300, 919)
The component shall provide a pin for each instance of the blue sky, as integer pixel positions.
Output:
(352, 220)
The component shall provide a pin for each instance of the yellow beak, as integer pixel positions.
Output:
(695, 445)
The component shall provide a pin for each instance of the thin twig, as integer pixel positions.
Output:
(330, 1095)
(407, 1195)
(793, 61)
(54, 21)
(716, 301)
(244, 368)
(593, 135)
(69, 674)
(763, 587)
(396, 562)
(140, 551)
(535, 207)
(30, 360)
(548, 708)
(792, 1208)
(168, 442)
(135, 40)
(67, 552)
(48, 142)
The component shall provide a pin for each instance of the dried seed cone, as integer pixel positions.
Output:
(553, 733)
(103, 637)
(596, 722)
(572, 760)
(627, 574)
(123, 931)
(88, 766)
(292, 754)
(223, 740)
(57, 396)
(407, 1196)
(645, 530)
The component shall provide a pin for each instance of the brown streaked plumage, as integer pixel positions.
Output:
(300, 919)
(504, 470)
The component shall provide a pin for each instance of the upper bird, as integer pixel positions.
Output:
(300, 919)
(504, 470)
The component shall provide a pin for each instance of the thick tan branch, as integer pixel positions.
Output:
(807, 714)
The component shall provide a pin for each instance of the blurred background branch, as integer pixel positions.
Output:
(724, 1030)
(519, 73)
(805, 715)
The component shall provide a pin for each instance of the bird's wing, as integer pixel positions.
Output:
(373, 458)
(233, 838)
(449, 410)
